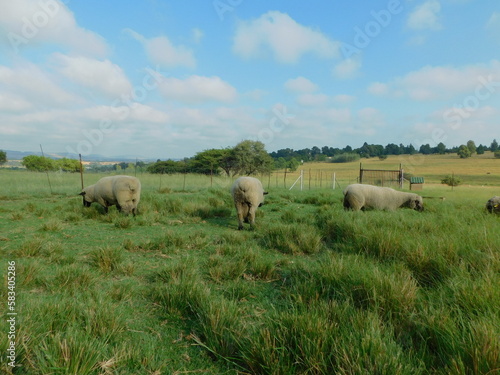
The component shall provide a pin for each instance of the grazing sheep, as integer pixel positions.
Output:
(122, 191)
(248, 194)
(493, 205)
(359, 196)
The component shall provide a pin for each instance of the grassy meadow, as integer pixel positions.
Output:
(312, 290)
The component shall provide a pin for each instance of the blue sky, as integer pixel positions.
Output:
(166, 79)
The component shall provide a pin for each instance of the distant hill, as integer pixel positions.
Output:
(18, 155)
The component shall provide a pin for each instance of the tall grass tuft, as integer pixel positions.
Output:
(292, 238)
(106, 259)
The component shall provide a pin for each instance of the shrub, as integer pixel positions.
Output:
(451, 180)
(345, 158)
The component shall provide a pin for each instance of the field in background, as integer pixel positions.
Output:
(313, 290)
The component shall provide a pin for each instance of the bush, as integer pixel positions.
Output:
(451, 180)
(497, 154)
(345, 158)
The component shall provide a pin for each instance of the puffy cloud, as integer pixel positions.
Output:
(32, 22)
(33, 85)
(442, 82)
(162, 51)
(301, 85)
(286, 39)
(99, 76)
(347, 68)
(312, 100)
(197, 89)
(425, 16)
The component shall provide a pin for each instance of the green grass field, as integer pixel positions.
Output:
(312, 290)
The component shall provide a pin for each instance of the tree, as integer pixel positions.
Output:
(3, 157)
(464, 152)
(425, 149)
(497, 154)
(441, 148)
(209, 161)
(494, 145)
(68, 165)
(472, 147)
(250, 157)
(38, 163)
(165, 167)
(481, 149)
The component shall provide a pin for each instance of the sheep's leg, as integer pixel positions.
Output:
(251, 215)
(240, 209)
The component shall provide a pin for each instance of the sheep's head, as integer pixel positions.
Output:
(88, 196)
(493, 205)
(417, 203)
(129, 206)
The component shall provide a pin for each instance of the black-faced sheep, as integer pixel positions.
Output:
(493, 205)
(359, 196)
(122, 191)
(248, 194)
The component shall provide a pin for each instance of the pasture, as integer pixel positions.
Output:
(313, 290)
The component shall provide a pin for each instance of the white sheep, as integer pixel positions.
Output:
(359, 196)
(122, 191)
(493, 205)
(248, 194)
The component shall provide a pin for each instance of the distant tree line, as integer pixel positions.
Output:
(250, 157)
(375, 150)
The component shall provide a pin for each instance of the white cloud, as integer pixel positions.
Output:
(101, 77)
(344, 99)
(312, 100)
(347, 68)
(301, 85)
(281, 35)
(197, 89)
(378, 89)
(160, 50)
(31, 84)
(25, 23)
(425, 16)
(441, 82)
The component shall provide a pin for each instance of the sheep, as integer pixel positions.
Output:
(122, 191)
(493, 205)
(248, 194)
(358, 197)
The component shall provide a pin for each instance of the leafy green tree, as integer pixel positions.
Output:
(292, 164)
(209, 161)
(67, 165)
(38, 163)
(250, 157)
(3, 157)
(441, 148)
(464, 152)
(481, 149)
(472, 147)
(165, 167)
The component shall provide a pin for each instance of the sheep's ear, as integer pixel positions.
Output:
(82, 193)
(265, 193)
